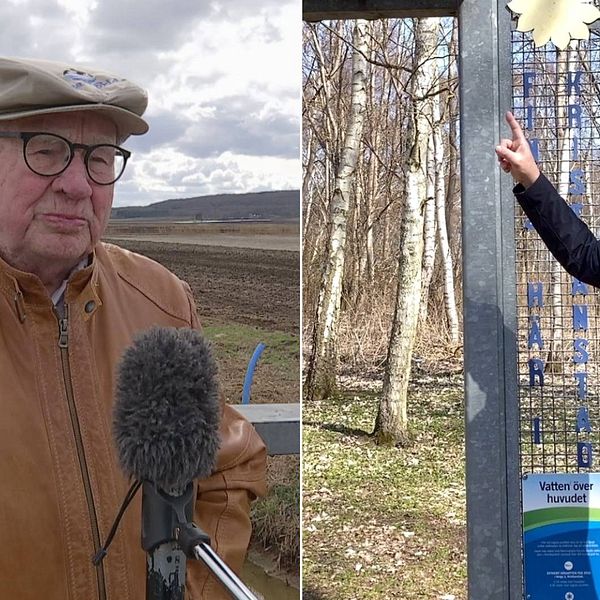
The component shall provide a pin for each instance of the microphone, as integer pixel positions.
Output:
(167, 411)
(166, 427)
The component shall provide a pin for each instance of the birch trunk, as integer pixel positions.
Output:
(429, 228)
(453, 188)
(391, 426)
(321, 380)
(442, 228)
(307, 196)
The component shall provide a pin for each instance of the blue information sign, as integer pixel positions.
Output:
(561, 536)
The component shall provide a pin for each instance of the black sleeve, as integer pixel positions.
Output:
(568, 238)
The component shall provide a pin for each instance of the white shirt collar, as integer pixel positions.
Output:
(58, 294)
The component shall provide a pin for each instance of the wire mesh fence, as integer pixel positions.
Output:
(556, 97)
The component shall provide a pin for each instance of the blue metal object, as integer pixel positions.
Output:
(250, 372)
(537, 430)
(584, 455)
(583, 420)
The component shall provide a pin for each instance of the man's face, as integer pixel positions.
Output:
(49, 224)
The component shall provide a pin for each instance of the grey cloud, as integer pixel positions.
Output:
(267, 32)
(126, 37)
(205, 173)
(165, 129)
(122, 25)
(119, 26)
(235, 127)
(34, 29)
(236, 9)
(128, 194)
(206, 79)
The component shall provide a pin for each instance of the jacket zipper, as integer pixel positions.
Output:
(63, 344)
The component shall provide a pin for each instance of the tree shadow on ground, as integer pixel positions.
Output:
(336, 428)
(310, 593)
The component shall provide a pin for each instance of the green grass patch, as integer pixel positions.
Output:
(232, 338)
(276, 377)
(384, 522)
(276, 522)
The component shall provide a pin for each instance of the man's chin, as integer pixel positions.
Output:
(64, 255)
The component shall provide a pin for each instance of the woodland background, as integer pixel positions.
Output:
(383, 460)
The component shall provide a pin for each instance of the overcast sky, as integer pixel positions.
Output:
(223, 79)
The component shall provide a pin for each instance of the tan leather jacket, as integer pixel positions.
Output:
(60, 483)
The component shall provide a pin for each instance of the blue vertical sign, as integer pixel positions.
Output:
(561, 536)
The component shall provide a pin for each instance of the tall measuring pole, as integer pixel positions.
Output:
(493, 493)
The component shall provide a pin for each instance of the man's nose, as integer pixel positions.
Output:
(74, 181)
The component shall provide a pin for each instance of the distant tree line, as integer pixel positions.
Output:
(284, 204)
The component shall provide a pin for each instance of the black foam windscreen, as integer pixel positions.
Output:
(167, 409)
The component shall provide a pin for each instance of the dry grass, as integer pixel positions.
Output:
(276, 522)
(276, 518)
(364, 336)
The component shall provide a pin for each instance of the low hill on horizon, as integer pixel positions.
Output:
(276, 205)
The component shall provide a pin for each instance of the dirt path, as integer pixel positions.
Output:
(257, 242)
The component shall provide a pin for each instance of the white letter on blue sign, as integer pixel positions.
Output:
(581, 354)
(578, 287)
(527, 83)
(535, 335)
(535, 294)
(574, 82)
(581, 385)
(536, 369)
(580, 316)
(577, 182)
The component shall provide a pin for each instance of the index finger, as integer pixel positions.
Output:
(514, 126)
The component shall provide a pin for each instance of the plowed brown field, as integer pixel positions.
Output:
(258, 288)
(241, 285)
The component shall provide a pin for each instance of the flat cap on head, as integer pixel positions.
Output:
(35, 87)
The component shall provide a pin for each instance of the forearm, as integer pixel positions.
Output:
(223, 502)
(567, 237)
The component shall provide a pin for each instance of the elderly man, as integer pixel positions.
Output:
(69, 306)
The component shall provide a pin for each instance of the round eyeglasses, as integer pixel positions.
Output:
(49, 154)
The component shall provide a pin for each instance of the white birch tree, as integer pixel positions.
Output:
(429, 229)
(440, 156)
(392, 421)
(321, 380)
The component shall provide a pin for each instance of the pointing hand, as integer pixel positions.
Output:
(515, 155)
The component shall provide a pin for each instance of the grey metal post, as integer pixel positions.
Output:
(316, 10)
(493, 493)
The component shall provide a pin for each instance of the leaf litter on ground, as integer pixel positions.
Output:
(399, 514)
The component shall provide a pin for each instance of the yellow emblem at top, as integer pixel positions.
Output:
(556, 20)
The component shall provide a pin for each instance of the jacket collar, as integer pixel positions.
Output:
(23, 289)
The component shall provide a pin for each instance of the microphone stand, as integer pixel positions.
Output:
(169, 538)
